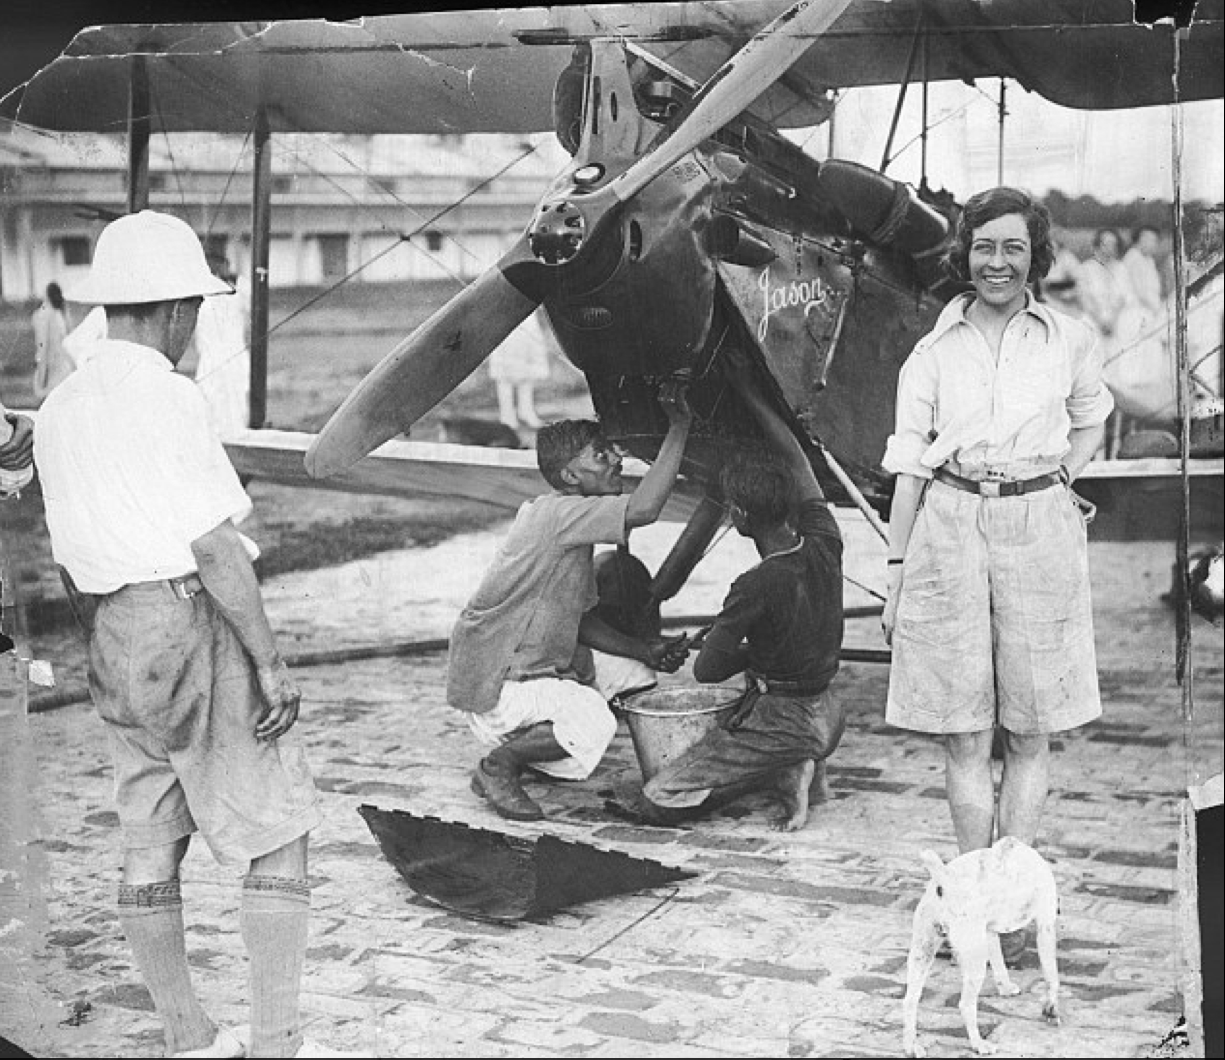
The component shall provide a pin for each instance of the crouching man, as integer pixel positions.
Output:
(781, 626)
(521, 659)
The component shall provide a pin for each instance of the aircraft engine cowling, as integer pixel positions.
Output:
(881, 209)
(735, 243)
(642, 303)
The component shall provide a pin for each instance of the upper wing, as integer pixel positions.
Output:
(1088, 54)
(451, 72)
(471, 71)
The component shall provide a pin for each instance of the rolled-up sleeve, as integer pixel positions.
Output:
(1090, 401)
(915, 422)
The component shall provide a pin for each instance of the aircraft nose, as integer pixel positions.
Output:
(557, 234)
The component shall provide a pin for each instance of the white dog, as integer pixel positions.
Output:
(970, 901)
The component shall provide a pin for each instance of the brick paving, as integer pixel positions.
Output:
(781, 945)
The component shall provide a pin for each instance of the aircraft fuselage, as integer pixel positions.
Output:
(743, 243)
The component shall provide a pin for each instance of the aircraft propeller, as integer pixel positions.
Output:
(425, 367)
(772, 51)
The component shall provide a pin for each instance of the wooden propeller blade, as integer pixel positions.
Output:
(736, 84)
(424, 368)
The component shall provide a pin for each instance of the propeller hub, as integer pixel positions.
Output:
(558, 232)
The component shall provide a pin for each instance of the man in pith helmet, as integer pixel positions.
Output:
(196, 700)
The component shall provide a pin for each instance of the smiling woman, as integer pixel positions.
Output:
(999, 407)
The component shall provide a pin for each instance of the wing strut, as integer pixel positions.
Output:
(138, 135)
(261, 226)
(920, 37)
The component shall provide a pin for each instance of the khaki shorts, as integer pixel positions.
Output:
(179, 698)
(994, 622)
(755, 746)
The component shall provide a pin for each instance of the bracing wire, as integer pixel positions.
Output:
(222, 101)
(405, 236)
(381, 187)
(225, 190)
(402, 238)
(174, 168)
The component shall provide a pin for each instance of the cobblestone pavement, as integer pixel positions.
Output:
(781, 945)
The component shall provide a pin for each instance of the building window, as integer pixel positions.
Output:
(333, 256)
(433, 240)
(73, 250)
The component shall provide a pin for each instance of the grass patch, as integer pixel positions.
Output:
(303, 548)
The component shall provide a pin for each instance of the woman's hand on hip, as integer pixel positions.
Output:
(888, 618)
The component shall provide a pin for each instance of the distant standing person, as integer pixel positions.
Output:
(516, 366)
(52, 361)
(1105, 287)
(999, 407)
(1111, 305)
(184, 671)
(1143, 273)
(521, 660)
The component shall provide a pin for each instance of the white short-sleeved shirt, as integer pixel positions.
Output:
(522, 621)
(131, 471)
(955, 402)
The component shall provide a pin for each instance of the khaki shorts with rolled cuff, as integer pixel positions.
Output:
(179, 697)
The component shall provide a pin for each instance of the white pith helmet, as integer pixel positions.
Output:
(147, 257)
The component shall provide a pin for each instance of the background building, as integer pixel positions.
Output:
(383, 207)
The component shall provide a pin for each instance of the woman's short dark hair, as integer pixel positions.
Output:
(994, 203)
(760, 485)
(559, 443)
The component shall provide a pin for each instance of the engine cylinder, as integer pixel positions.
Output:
(881, 209)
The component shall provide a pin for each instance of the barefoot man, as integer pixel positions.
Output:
(781, 626)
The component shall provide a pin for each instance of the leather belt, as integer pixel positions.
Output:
(786, 688)
(992, 488)
(184, 587)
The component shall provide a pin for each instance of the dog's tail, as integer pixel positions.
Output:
(934, 865)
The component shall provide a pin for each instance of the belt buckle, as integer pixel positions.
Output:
(989, 488)
(181, 588)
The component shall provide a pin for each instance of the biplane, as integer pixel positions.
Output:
(687, 232)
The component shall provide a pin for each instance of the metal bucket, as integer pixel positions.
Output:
(665, 723)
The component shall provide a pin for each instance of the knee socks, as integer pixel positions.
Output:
(274, 918)
(151, 915)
